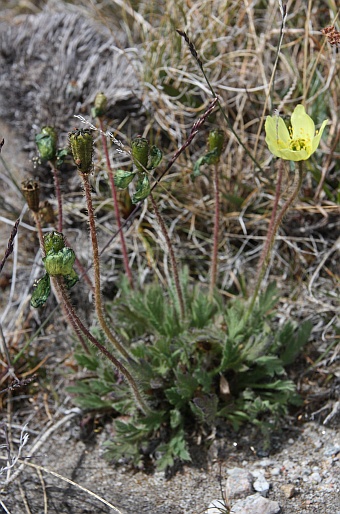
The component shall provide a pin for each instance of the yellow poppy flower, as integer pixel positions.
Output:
(296, 144)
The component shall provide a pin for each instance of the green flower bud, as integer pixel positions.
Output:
(155, 157)
(47, 143)
(142, 190)
(140, 153)
(71, 279)
(216, 142)
(30, 190)
(100, 104)
(60, 263)
(41, 292)
(123, 178)
(81, 143)
(53, 242)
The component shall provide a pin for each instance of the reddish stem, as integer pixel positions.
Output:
(115, 205)
(213, 270)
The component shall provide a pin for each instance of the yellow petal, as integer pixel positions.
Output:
(316, 139)
(302, 124)
(276, 131)
(294, 155)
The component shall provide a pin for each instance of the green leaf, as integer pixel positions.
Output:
(71, 279)
(41, 292)
(186, 384)
(155, 157)
(206, 406)
(61, 155)
(209, 158)
(123, 178)
(295, 343)
(142, 190)
(268, 299)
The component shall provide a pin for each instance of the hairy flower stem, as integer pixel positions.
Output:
(104, 351)
(96, 268)
(172, 256)
(116, 206)
(40, 232)
(274, 226)
(213, 269)
(57, 189)
(65, 303)
(58, 295)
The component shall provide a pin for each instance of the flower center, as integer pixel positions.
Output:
(300, 143)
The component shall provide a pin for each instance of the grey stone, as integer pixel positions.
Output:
(255, 504)
(331, 450)
(261, 485)
(315, 477)
(239, 484)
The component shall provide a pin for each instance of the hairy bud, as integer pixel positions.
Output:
(46, 142)
(140, 153)
(81, 143)
(216, 142)
(100, 105)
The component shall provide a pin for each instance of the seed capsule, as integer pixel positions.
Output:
(30, 190)
(81, 143)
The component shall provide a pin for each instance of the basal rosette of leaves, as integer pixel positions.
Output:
(212, 368)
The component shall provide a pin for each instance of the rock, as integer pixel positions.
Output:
(261, 485)
(239, 484)
(331, 450)
(216, 507)
(288, 490)
(315, 477)
(255, 504)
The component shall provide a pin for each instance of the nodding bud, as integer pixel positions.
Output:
(30, 190)
(53, 242)
(100, 105)
(81, 143)
(140, 153)
(60, 263)
(46, 142)
(216, 142)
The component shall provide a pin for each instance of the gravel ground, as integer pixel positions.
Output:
(303, 477)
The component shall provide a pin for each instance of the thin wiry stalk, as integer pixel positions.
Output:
(200, 64)
(81, 327)
(213, 268)
(296, 186)
(172, 256)
(116, 206)
(40, 232)
(70, 312)
(96, 267)
(194, 131)
(57, 189)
